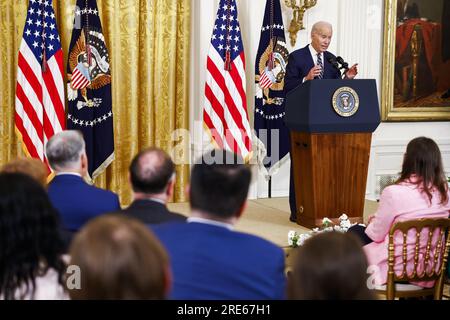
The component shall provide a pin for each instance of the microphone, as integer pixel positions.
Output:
(344, 65)
(333, 62)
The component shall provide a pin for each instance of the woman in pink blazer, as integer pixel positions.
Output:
(420, 192)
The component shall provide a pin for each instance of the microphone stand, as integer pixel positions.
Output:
(335, 64)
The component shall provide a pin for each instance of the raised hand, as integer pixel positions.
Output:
(352, 72)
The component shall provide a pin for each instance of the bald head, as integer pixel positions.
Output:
(151, 171)
(321, 34)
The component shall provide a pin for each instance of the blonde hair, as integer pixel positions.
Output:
(32, 167)
(119, 258)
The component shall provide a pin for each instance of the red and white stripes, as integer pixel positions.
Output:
(225, 107)
(39, 110)
(79, 80)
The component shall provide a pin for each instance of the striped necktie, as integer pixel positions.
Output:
(320, 63)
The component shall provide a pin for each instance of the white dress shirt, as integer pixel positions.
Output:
(211, 222)
(314, 56)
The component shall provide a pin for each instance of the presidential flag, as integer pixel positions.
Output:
(225, 115)
(270, 68)
(39, 110)
(89, 87)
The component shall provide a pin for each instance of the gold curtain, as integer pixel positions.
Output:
(148, 42)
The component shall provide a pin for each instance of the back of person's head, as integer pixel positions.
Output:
(219, 184)
(30, 166)
(329, 266)
(119, 258)
(424, 161)
(151, 170)
(65, 149)
(30, 241)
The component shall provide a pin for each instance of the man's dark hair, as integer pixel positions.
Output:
(219, 187)
(151, 171)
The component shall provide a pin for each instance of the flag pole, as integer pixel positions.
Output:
(269, 185)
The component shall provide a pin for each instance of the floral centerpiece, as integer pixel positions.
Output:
(295, 239)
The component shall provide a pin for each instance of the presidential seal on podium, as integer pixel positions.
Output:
(345, 101)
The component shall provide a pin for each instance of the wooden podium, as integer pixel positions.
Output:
(330, 151)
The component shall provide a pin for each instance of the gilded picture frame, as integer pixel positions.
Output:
(404, 94)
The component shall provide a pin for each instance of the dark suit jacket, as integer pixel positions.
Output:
(213, 262)
(77, 201)
(152, 212)
(300, 63)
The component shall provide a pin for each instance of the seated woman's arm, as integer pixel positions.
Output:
(381, 222)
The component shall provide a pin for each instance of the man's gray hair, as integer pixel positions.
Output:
(64, 150)
(320, 25)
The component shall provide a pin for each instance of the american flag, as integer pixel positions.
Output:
(225, 108)
(40, 88)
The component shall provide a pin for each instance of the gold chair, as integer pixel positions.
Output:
(446, 293)
(435, 267)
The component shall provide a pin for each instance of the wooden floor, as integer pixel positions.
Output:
(269, 218)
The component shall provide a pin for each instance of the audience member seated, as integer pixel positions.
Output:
(31, 249)
(152, 178)
(76, 201)
(119, 258)
(210, 260)
(30, 166)
(420, 192)
(329, 266)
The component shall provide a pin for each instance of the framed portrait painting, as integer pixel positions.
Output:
(416, 61)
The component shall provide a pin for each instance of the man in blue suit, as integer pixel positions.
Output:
(210, 260)
(75, 200)
(308, 63)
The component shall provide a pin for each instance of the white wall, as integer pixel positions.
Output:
(358, 37)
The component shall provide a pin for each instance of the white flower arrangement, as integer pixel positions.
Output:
(295, 239)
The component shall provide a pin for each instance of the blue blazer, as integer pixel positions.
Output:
(300, 63)
(212, 262)
(77, 201)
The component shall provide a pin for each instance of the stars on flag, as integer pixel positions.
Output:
(226, 32)
(87, 123)
(40, 30)
(274, 26)
(86, 10)
(270, 117)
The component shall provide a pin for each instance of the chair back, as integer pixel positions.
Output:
(423, 245)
